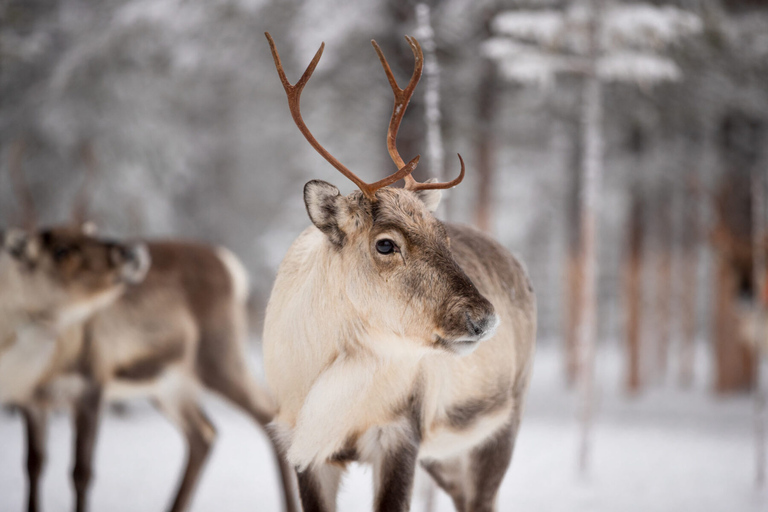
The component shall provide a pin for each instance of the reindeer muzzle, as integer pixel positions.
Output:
(467, 325)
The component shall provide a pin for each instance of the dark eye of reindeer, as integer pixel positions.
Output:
(385, 246)
(61, 253)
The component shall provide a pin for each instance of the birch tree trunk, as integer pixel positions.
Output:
(590, 207)
(432, 116)
(435, 151)
(689, 271)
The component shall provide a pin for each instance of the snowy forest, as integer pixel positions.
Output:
(618, 148)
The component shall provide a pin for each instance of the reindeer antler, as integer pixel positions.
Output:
(402, 98)
(293, 92)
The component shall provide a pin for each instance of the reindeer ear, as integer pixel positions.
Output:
(15, 242)
(325, 206)
(430, 198)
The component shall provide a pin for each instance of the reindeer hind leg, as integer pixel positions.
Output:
(200, 434)
(87, 411)
(35, 420)
(240, 388)
(228, 375)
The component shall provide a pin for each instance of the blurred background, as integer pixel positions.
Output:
(166, 118)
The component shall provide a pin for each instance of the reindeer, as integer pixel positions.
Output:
(179, 331)
(392, 338)
(49, 283)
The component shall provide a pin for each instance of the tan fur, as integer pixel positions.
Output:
(347, 351)
(180, 331)
(43, 296)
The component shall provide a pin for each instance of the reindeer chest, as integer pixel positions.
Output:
(23, 363)
(352, 406)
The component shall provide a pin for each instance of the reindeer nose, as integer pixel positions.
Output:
(482, 326)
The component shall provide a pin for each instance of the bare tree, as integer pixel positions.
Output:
(602, 42)
(691, 210)
(633, 289)
(590, 196)
(758, 286)
(432, 117)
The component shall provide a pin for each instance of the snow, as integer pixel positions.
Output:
(556, 42)
(648, 25)
(667, 450)
(544, 26)
(535, 69)
(643, 68)
(634, 25)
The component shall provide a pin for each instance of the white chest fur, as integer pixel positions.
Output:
(24, 362)
(348, 399)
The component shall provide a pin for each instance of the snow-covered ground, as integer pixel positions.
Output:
(665, 451)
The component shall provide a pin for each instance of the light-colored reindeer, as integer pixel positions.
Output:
(179, 331)
(392, 338)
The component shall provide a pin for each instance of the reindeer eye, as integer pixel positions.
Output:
(386, 246)
(61, 253)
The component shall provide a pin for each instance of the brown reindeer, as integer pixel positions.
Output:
(180, 331)
(392, 338)
(49, 283)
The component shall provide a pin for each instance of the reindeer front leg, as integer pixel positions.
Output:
(318, 486)
(394, 472)
(87, 410)
(35, 420)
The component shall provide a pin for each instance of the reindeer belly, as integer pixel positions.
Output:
(61, 391)
(172, 380)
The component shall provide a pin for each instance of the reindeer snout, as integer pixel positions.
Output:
(482, 326)
(133, 260)
(468, 322)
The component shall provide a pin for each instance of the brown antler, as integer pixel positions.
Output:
(293, 91)
(402, 98)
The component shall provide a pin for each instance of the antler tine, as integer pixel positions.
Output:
(439, 186)
(293, 92)
(402, 98)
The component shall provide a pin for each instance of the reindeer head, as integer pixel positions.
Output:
(400, 274)
(66, 273)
